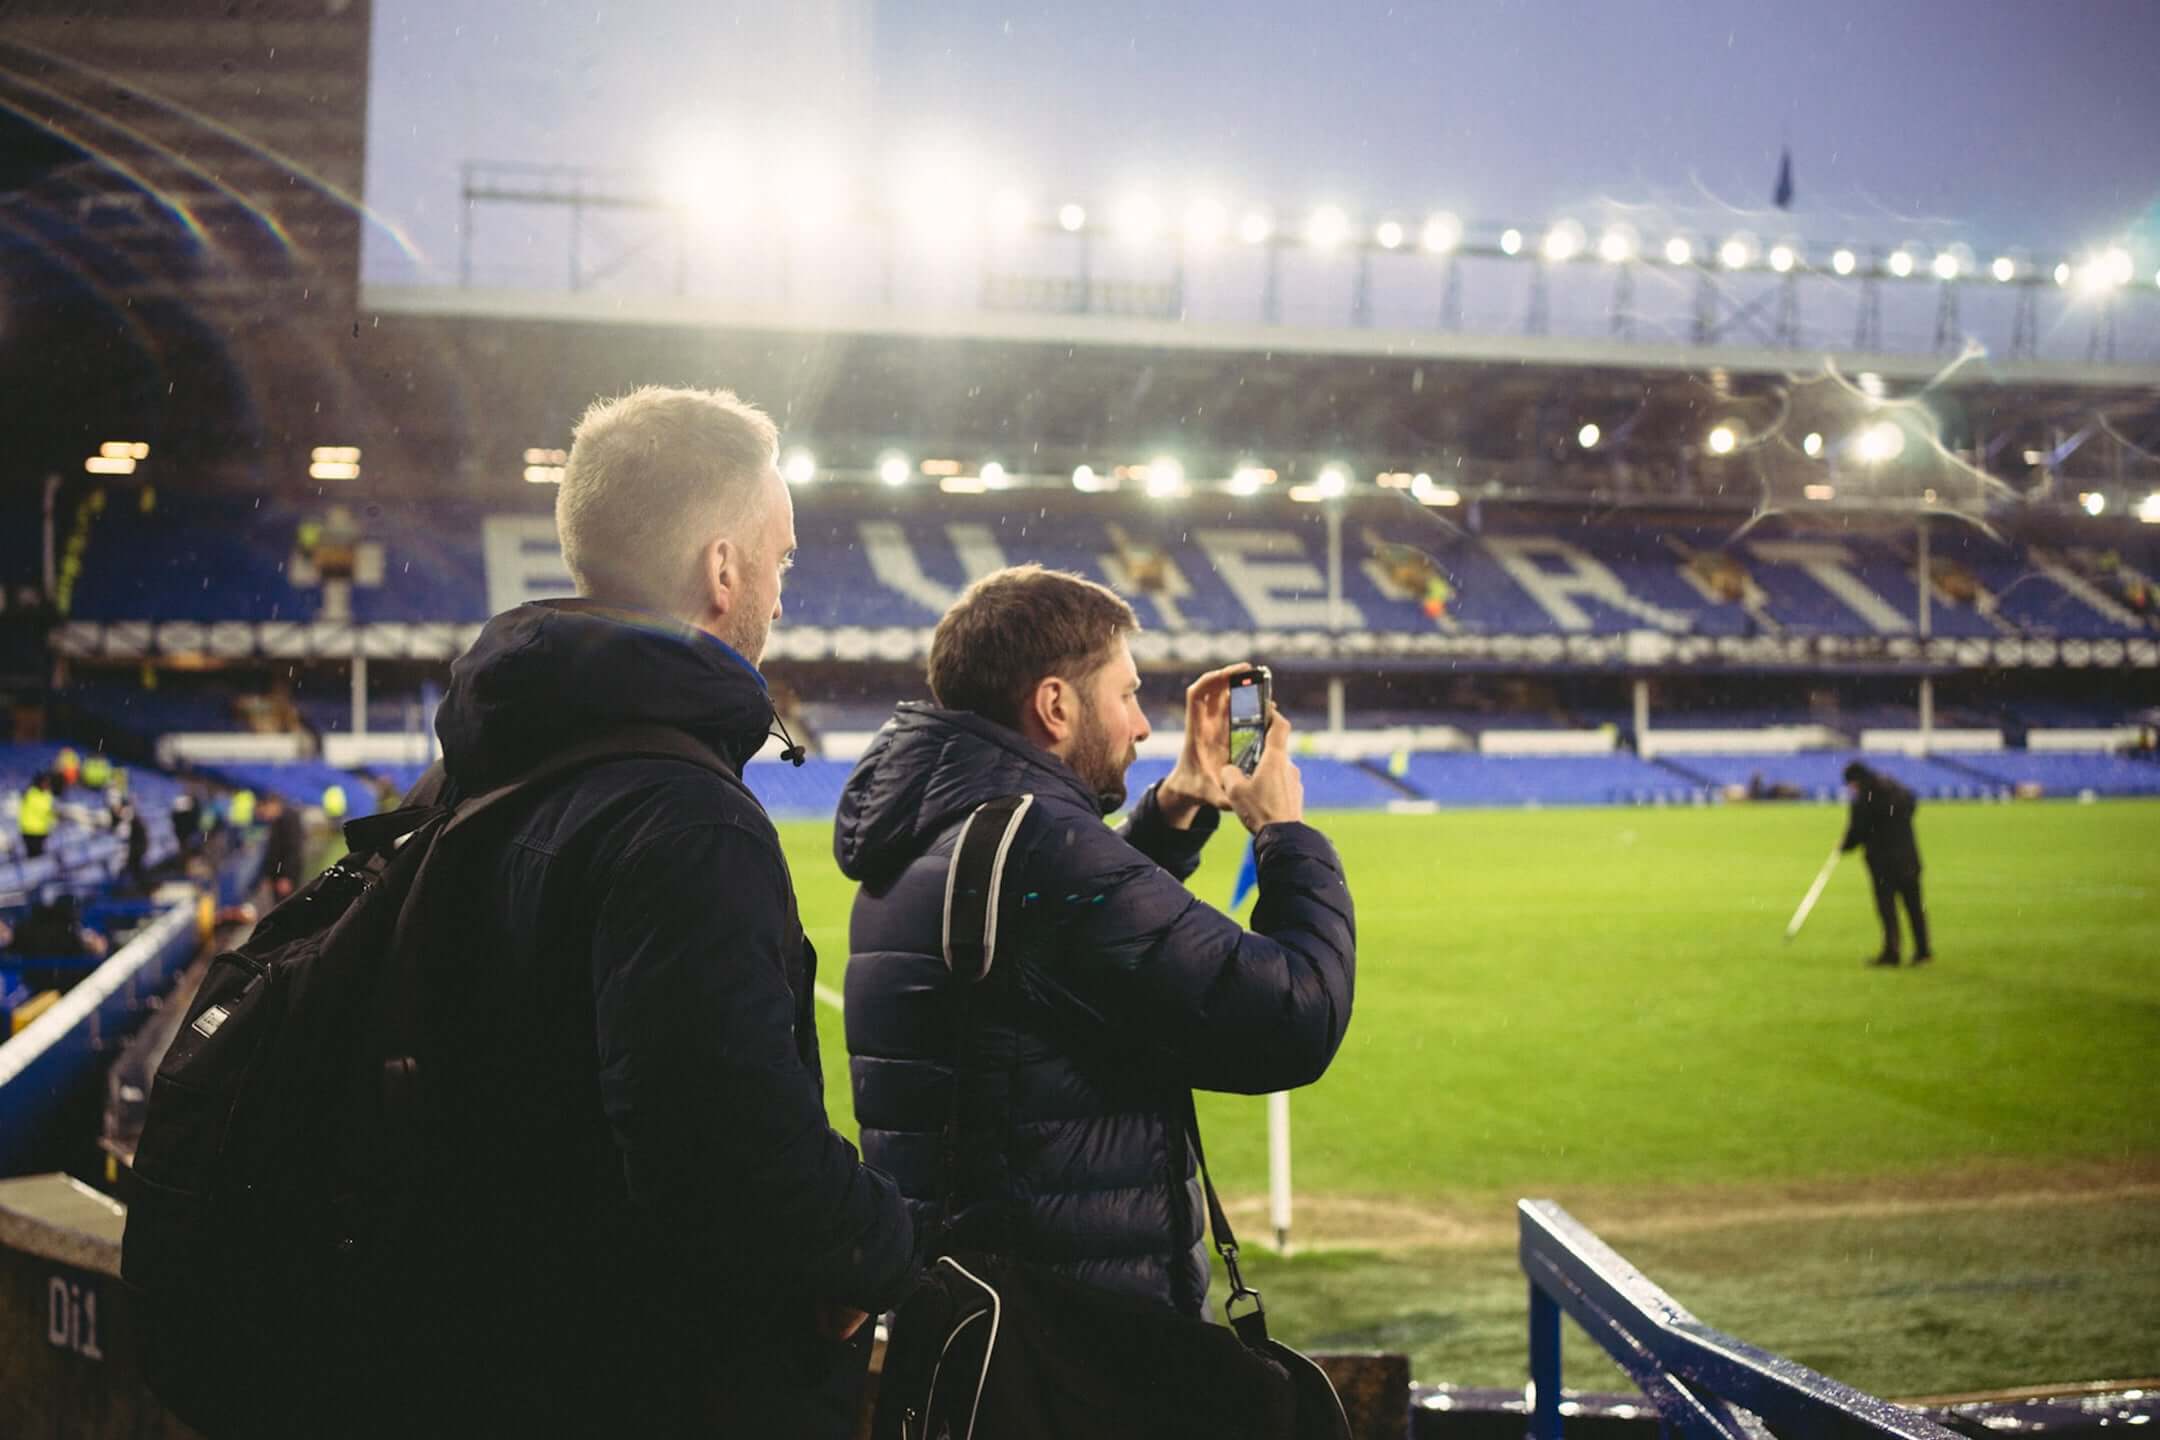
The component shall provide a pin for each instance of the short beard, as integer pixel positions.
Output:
(1096, 761)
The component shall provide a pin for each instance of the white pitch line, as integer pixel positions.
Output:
(826, 995)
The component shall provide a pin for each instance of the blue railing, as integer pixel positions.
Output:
(1704, 1384)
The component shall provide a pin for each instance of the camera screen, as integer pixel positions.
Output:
(1247, 725)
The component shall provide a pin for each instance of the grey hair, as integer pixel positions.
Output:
(654, 477)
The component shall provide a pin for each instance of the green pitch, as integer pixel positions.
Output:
(1917, 1180)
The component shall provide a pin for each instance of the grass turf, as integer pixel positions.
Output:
(1596, 1005)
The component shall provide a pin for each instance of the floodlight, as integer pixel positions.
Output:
(2093, 501)
(1084, 478)
(1390, 234)
(1138, 218)
(1588, 436)
(1722, 440)
(1617, 245)
(993, 475)
(1946, 266)
(1442, 233)
(1332, 481)
(2004, 269)
(2148, 509)
(1812, 444)
(1563, 242)
(1781, 258)
(1071, 217)
(1255, 228)
(1678, 251)
(1901, 263)
(1735, 253)
(1328, 227)
(1165, 478)
(1205, 222)
(2062, 273)
(894, 470)
(1843, 262)
(1246, 480)
(1511, 241)
(1880, 442)
(799, 466)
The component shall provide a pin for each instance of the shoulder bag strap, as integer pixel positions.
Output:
(968, 937)
(1251, 1327)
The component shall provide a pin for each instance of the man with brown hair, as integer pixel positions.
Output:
(1113, 993)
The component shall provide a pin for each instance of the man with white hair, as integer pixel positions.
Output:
(655, 1230)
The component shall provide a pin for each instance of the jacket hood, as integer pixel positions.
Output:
(925, 770)
(549, 675)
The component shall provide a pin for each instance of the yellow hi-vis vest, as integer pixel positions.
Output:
(37, 811)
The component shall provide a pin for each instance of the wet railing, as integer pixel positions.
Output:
(1705, 1385)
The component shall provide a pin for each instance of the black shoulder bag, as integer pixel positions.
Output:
(990, 1348)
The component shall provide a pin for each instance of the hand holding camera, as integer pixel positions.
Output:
(1274, 792)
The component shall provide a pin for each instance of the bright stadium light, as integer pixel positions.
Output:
(1843, 262)
(1205, 222)
(1722, 440)
(1511, 241)
(2147, 510)
(1009, 213)
(134, 450)
(1071, 217)
(1563, 242)
(1588, 436)
(1332, 481)
(2106, 271)
(1880, 442)
(1442, 233)
(1735, 253)
(109, 465)
(1946, 266)
(2004, 269)
(1901, 263)
(894, 470)
(1138, 219)
(993, 475)
(1425, 492)
(1255, 228)
(1617, 245)
(1678, 251)
(2093, 501)
(1247, 480)
(1165, 478)
(1812, 444)
(1390, 234)
(1086, 480)
(799, 466)
(1327, 228)
(2062, 273)
(1781, 258)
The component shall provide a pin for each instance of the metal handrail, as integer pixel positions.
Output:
(1705, 1384)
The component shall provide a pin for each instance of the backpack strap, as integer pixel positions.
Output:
(973, 882)
(404, 1000)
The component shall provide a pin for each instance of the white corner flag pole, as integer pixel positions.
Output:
(1278, 1146)
(1814, 893)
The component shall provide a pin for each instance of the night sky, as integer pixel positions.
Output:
(1994, 122)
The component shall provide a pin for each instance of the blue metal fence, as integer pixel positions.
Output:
(1705, 1385)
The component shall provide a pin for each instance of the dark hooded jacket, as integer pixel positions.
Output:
(653, 1203)
(1113, 995)
(1882, 821)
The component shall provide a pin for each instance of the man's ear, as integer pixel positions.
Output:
(720, 575)
(1054, 708)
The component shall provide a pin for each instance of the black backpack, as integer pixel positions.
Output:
(282, 1180)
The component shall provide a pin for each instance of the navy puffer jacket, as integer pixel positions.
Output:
(1114, 994)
